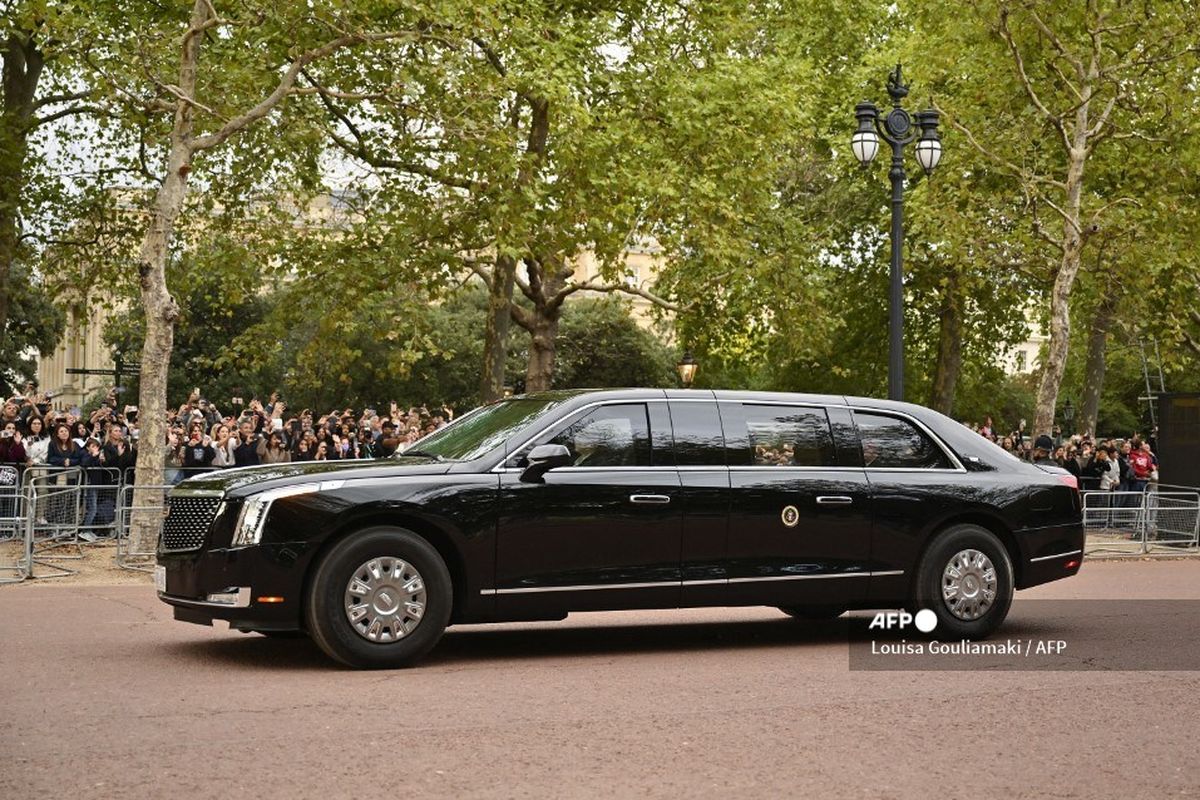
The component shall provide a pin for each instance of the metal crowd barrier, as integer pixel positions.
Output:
(148, 514)
(1137, 523)
(14, 550)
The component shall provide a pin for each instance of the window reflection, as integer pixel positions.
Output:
(893, 442)
(782, 436)
(698, 439)
(609, 436)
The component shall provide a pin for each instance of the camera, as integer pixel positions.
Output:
(6, 434)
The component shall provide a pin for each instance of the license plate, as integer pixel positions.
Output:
(160, 578)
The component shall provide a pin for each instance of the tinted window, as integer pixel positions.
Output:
(698, 439)
(893, 442)
(789, 436)
(608, 436)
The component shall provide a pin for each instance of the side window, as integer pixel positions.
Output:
(893, 442)
(608, 436)
(789, 436)
(698, 438)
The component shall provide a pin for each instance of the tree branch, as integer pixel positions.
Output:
(1062, 50)
(69, 97)
(1017, 170)
(288, 81)
(1006, 34)
(67, 112)
(359, 149)
(636, 291)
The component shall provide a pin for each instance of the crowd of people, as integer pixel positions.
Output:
(104, 443)
(1116, 464)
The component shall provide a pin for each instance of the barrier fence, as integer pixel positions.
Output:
(1165, 522)
(48, 515)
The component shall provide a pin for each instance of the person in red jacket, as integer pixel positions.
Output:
(1141, 462)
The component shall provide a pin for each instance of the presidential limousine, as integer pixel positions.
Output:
(536, 506)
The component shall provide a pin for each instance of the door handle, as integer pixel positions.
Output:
(653, 499)
(834, 500)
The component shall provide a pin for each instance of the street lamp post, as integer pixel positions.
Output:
(897, 130)
(1068, 416)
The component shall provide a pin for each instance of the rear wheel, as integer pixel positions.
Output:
(966, 579)
(813, 613)
(380, 599)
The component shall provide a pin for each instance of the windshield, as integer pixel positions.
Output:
(482, 430)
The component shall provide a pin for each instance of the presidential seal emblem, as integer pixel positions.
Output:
(790, 516)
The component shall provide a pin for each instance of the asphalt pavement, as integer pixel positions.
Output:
(104, 695)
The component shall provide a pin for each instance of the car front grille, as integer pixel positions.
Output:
(187, 522)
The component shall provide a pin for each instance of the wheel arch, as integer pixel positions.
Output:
(441, 541)
(984, 520)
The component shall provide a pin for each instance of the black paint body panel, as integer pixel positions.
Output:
(578, 541)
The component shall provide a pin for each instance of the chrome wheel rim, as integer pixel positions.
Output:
(969, 584)
(385, 599)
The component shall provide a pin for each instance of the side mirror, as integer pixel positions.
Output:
(544, 458)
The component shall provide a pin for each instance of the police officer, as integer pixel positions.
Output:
(1042, 447)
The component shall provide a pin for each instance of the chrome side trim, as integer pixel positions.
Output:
(669, 584)
(587, 587)
(803, 577)
(242, 601)
(1057, 555)
(180, 490)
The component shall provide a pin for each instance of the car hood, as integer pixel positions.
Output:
(245, 480)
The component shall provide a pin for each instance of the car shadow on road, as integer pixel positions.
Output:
(468, 644)
(473, 644)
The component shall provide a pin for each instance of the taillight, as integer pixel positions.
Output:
(1069, 480)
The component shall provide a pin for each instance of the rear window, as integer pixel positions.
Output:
(897, 443)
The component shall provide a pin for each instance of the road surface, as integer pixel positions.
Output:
(104, 695)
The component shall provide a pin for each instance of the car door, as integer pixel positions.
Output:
(800, 518)
(914, 480)
(601, 533)
(699, 448)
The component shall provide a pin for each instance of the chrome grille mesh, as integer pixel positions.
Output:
(187, 522)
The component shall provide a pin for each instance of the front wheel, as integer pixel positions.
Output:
(380, 599)
(966, 579)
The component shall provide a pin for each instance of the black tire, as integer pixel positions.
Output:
(325, 608)
(931, 576)
(813, 613)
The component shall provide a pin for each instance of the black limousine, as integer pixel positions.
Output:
(536, 506)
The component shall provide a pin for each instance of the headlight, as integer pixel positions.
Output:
(253, 516)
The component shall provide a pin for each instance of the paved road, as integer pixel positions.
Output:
(105, 696)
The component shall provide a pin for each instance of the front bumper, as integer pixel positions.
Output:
(251, 588)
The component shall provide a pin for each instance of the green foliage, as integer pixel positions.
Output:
(219, 291)
(717, 129)
(35, 324)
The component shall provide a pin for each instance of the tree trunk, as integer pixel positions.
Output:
(495, 346)
(495, 337)
(1064, 280)
(1093, 378)
(161, 309)
(539, 373)
(949, 355)
(23, 63)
